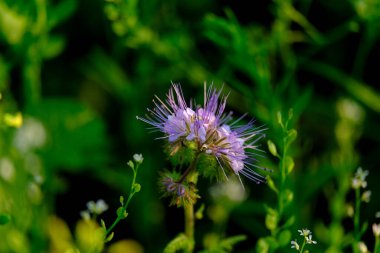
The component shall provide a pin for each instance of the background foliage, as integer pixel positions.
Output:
(74, 75)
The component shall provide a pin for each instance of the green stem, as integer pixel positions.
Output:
(357, 216)
(189, 169)
(303, 245)
(121, 213)
(377, 245)
(189, 226)
(189, 208)
(365, 46)
(282, 177)
(355, 248)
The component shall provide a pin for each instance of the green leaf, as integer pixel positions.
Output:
(271, 184)
(121, 200)
(110, 237)
(262, 246)
(271, 219)
(103, 224)
(136, 187)
(284, 238)
(4, 219)
(272, 148)
(289, 222)
(229, 242)
(60, 12)
(289, 164)
(112, 12)
(291, 136)
(12, 25)
(279, 119)
(54, 46)
(199, 212)
(121, 212)
(180, 242)
(267, 244)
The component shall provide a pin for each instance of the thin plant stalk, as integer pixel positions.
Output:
(357, 219)
(189, 225)
(376, 249)
(121, 213)
(189, 208)
(303, 245)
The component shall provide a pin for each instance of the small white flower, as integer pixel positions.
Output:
(138, 158)
(366, 196)
(304, 232)
(362, 247)
(97, 208)
(376, 229)
(309, 240)
(359, 179)
(295, 245)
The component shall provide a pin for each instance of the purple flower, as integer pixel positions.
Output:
(213, 131)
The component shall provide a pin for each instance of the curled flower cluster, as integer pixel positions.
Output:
(181, 193)
(210, 130)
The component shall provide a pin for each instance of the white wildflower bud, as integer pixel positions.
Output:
(362, 247)
(101, 206)
(97, 208)
(304, 232)
(359, 179)
(309, 240)
(366, 196)
(295, 245)
(138, 158)
(376, 229)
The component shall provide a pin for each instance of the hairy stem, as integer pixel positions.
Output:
(189, 169)
(189, 208)
(189, 226)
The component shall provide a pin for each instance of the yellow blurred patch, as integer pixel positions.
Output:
(60, 236)
(125, 246)
(89, 236)
(13, 120)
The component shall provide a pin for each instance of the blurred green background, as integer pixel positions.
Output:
(78, 73)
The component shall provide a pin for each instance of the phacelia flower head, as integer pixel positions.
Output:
(207, 130)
